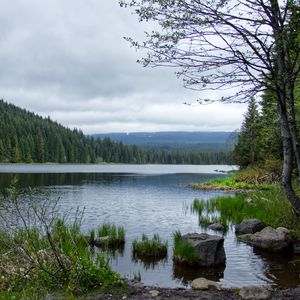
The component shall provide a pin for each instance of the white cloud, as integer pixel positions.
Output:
(67, 59)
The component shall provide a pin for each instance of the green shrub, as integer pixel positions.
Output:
(150, 247)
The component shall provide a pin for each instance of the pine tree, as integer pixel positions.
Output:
(246, 151)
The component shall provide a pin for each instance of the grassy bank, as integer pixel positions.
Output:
(261, 198)
(33, 263)
(43, 252)
(243, 181)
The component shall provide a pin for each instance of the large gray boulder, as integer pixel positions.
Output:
(249, 226)
(270, 239)
(208, 248)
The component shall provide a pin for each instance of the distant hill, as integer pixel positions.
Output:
(27, 137)
(183, 141)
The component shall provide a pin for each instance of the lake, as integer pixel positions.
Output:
(151, 199)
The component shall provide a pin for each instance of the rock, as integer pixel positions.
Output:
(100, 241)
(217, 227)
(154, 293)
(270, 239)
(249, 226)
(254, 293)
(209, 248)
(248, 200)
(204, 284)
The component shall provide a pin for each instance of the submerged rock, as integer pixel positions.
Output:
(249, 226)
(254, 293)
(205, 284)
(217, 227)
(270, 239)
(208, 248)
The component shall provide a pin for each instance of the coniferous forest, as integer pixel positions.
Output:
(28, 138)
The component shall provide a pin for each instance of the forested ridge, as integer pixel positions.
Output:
(27, 137)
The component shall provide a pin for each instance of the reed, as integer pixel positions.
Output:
(183, 252)
(154, 247)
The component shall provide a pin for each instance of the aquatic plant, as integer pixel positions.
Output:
(110, 235)
(198, 206)
(269, 206)
(183, 252)
(150, 247)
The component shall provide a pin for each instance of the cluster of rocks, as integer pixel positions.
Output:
(258, 234)
(210, 251)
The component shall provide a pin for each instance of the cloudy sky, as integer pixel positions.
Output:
(67, 59)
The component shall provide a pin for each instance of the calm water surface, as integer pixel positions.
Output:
(151, 199)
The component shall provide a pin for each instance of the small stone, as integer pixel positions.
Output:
(154, 293)
(248, 200)
(204, 284)
(216, 226)
(249, 226)
(253, 292)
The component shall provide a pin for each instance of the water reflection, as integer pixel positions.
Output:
(150, 262)
(282, 269)
(186, 274)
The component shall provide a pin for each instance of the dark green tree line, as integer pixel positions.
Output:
(26, 137)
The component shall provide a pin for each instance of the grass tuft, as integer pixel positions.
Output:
(150, 247)
(183, 252)
(109, 235)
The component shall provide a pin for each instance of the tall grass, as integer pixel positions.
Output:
(154, 247)
(109, 235)
(59, 260)
(270, 206)
(183, 252)
(207, 213)
(41, 251)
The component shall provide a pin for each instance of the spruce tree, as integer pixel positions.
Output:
(246, 151)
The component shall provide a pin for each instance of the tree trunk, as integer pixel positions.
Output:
(286, 179)
(293, 127)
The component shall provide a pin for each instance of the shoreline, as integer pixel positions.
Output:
(216, 187)
(138, 291)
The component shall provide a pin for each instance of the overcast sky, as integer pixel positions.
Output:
(67, 59)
